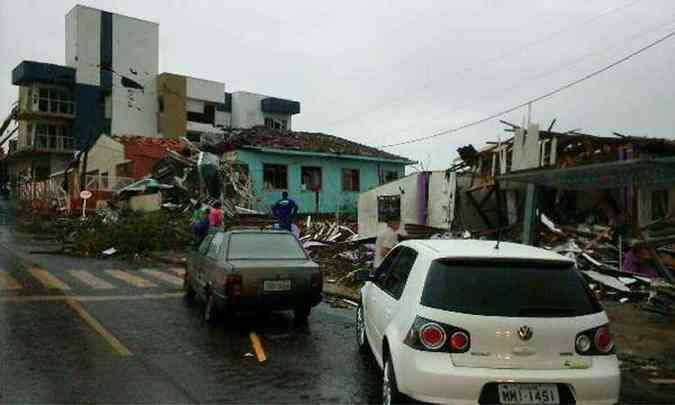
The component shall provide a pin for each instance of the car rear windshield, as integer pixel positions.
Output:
(512, 289)
(271, 246)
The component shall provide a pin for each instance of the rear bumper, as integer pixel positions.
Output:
(268, 302)
(431, 377)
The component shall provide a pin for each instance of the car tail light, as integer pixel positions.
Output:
(459, 340)
(603, 340)
(432, 336)
(316, 282)
(593, 342)
(233, 286)
(427, 335)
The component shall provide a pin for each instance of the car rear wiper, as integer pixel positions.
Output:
(546, 311)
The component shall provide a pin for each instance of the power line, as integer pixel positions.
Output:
(494, 59)
(550, 72)
(534, 100)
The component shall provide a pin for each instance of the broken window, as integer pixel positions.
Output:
(388, 208)
(660, 204)
(311, 178)
(350, 180)
(275, 177)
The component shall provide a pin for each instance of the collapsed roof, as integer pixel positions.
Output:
(266, 138)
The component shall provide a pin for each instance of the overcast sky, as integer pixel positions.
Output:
(380, 72)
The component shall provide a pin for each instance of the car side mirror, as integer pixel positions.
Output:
(363, 275)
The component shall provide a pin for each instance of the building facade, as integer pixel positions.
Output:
(321, 172)
(110, 85)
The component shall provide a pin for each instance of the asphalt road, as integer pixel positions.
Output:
(82, 334)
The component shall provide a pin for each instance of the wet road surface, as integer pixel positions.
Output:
(82, 331)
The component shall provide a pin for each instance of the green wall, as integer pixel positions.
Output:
(331, 195)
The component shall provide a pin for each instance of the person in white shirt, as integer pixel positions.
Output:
(385, 241)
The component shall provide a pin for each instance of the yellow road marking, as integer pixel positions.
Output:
(180, 272)
(163, 276)
(117, 346)
(257, 347)
(131, 279)
(91, 280)
(90, 298)
(8, 282)
(47, 279)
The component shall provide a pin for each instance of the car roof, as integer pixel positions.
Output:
(483, 249)
(258, 231)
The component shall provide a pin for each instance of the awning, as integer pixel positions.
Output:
(654, 173)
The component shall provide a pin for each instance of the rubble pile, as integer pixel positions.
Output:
(600, 254)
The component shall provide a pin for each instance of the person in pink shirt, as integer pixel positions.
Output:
(216, 215)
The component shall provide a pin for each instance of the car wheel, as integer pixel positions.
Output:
(390, 394)
(302, 313)
(187, 288)
(361, 339)
(210, 310)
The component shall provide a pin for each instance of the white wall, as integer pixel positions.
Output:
(223, 118)
(367, 210)
(207, 90)
(135, 46)
(246, 110)
(440, 208)
(83, 44)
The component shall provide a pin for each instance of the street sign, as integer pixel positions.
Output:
(85, 194)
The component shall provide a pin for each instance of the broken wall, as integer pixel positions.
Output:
(405, 187)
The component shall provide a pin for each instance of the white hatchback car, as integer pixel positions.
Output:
(461, 321)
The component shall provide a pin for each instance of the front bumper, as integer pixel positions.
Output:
(431, 377)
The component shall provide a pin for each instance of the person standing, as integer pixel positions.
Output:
(283, 210)
(216, 215)
(385, 241)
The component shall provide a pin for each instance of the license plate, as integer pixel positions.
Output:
(280, 285)
(525, 394)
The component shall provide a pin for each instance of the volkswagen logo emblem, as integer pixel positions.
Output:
(525, 333)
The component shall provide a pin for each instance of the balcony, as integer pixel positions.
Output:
(28, 72)
(43, 143)
(45, 102)
(275, 105)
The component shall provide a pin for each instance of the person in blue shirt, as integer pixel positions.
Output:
(283, 210)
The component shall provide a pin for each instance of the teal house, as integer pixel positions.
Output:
(322, 173)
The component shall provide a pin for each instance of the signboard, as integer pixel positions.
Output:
(85, 194)
(388, 208)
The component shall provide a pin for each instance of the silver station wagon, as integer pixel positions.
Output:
(253, 270)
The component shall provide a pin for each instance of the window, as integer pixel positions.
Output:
(55, 101)
(48, 136)
(388, 208)
(216, 244)
(311, 178)
(508, 288)
(160, 103)
(275, 177)
(350, 180)
(105, 181)
(660, 204)
(125, 169)
(283, 246)
(207, 117)
(276, 124)
(389, 175)
(395, 277)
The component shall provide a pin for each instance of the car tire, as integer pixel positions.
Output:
(302, 313)
(360, 326)
(210, 309)
(187, 288)
(390, 393)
